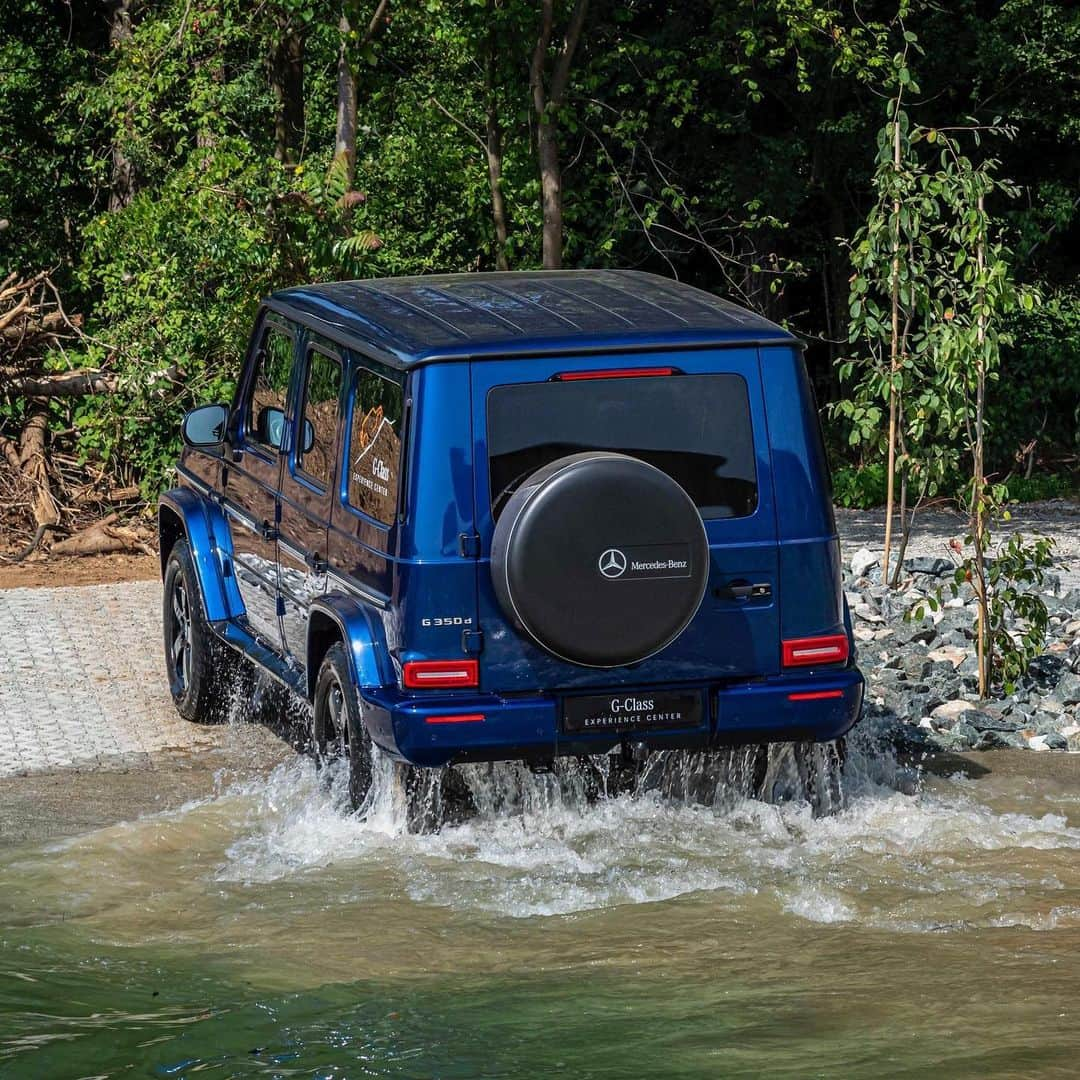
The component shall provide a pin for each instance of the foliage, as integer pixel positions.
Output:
(729, 144)
(1041, 370)
(859, 488)
(1016, 569)
(1041, 486)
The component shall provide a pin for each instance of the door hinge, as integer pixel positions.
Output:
(268, 532)
(472, 641)
(469, 545)
(281, 606)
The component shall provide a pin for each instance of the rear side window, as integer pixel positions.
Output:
(374, 453)
(696, 428)
(265, 419)
(318, 439)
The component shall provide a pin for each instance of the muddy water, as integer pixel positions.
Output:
(685, 930)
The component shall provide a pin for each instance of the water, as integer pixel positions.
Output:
(681, 929)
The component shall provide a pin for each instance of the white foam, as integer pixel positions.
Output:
(538, 847)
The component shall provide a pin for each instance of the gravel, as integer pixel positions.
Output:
(922, 686)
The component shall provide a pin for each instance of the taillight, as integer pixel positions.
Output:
(614, 373)
(440, 674)
(803, 652)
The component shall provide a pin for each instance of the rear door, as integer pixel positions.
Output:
(704, 424)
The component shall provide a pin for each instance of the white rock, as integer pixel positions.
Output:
(956, 601)
(1072, 729)
(1073, 628)
(927, 723)
(950, 710)
(956, 656)
(879, 634)
(867, 614)
(1037, 742)
(1051, 705)
(864, 633)
(862, 560)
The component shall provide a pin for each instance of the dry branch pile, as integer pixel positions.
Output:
(44, 490)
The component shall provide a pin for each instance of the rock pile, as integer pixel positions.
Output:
(922, 675)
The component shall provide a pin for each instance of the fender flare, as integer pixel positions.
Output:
(364, 636)
(209, 539)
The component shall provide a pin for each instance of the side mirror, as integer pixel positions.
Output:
(270, 427)
(206, 427)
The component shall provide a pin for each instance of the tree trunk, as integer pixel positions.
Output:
(493, 146)
(547, 150)
(547, 100)
(287, 84)
(33, 457)
(345, 136)
(978, 525)
(894, 356)
(345, 141)
(122, 181)
(498, 199)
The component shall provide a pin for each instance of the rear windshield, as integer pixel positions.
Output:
(694, 427)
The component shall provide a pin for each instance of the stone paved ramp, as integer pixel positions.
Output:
(82, 679)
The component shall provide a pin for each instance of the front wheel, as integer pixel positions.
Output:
(200, 668)
(338, 730)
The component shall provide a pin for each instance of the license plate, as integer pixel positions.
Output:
(623, 711)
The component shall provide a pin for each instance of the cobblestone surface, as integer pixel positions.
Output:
(82, 680)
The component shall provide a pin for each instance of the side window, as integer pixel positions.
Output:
(265, 419)
(375, 446)
(318, 438)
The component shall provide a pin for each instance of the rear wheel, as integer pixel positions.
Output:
(200, 668)
(338, 730)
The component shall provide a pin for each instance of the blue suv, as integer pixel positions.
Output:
(519, 516)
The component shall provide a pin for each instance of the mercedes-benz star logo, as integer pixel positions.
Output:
(613, 563)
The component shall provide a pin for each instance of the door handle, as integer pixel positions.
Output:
(744, 590)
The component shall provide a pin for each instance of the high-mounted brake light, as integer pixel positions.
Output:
(440, 674)
(463, 718)
(614, 373)
(803, 652)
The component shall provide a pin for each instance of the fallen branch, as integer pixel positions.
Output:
(63, 384)
(105, 537)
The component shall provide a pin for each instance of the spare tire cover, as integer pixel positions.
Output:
(600, 558)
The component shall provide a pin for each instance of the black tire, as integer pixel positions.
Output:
(337, 726)
(200, 668)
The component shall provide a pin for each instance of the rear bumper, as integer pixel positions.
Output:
(431, 729)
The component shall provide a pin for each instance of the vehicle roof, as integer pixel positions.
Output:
(409, 321)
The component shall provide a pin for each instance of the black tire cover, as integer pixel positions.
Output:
(600, 558)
